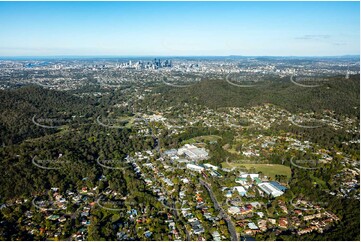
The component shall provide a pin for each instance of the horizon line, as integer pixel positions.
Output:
(154, 55)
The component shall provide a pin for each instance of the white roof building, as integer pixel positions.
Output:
(228, 194)
(252, 226)
(269, 189)
(185, 180)
(193, 152)
(255, 204)
(240, 190)
(183, 160)
(211, 166)
(234, 210)
(216, 236)
(251, 175)
(195, 167)
(168, 181)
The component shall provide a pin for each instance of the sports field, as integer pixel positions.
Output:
(270, 170)
(205, 138)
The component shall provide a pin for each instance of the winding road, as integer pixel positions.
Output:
(230, 225)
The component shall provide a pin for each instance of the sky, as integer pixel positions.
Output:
(179, 28)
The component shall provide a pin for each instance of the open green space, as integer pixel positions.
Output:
(270, 170)
(204, 138)
(125, 121)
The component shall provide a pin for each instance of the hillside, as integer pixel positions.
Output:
(18, 107)
(339, 95)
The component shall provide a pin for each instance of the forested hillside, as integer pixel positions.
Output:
(339, 95)
(18, 107)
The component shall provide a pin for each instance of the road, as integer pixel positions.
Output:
(231, 228)
(175, 211)
(176, 216)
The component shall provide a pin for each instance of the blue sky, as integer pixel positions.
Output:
(179, 28)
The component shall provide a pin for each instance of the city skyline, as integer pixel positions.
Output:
(179, 28)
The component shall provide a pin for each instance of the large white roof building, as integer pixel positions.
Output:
(269, 189)
(192, 152)
(195, 167)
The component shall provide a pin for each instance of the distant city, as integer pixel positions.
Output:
(70, 73)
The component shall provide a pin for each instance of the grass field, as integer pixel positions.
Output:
(267, 169)
(232, 151)
(205, 138)
(127, 120)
